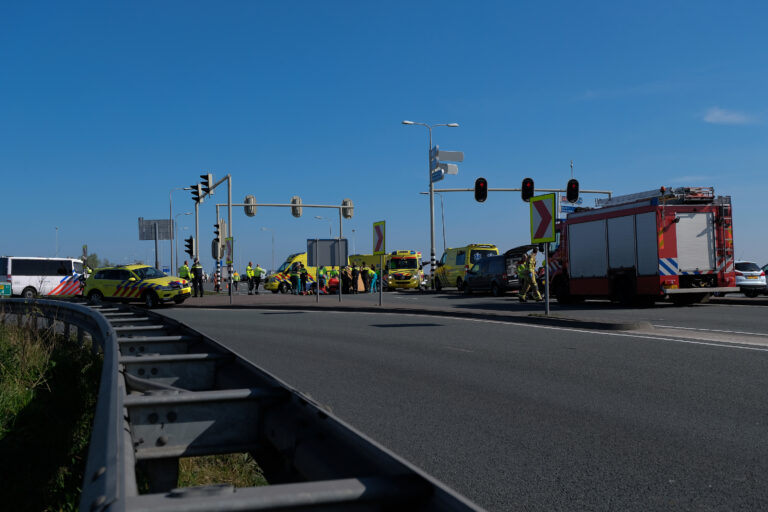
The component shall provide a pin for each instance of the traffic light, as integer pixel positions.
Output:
(207, 183)
(481, 190)
(527, 189)
(197, 193)
(348, 208)
(190, 246)
(572, 190)
(216, 230)
(296, 210)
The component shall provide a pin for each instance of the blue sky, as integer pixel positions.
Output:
(105, 107)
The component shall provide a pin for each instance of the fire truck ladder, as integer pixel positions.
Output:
(679, 195)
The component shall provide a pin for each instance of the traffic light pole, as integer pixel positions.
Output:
(196, 244)
(518, 189)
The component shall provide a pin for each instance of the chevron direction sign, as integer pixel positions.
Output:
(543, 218)
(379, 237)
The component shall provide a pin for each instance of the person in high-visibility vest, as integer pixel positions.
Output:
(235, 278)
(249, 275)
(197, 278)
(530, 277)
(258, 275)
(374, 279)
(184, 272)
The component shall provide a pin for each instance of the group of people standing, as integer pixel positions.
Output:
(254, 276)
(194, 274)
(360, 280)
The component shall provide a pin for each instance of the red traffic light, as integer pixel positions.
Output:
(527, 189)
(481, 190)
(572, 191)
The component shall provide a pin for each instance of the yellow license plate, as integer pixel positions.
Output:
(751, 277)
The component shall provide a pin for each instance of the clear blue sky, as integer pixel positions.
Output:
(106, 106)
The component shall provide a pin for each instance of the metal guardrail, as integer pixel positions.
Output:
(169, 392)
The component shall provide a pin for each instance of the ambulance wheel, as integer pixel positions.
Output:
(150, 299)
(29, 293)
(95, 297)
(179, 300)
(459, 284)
(275, 290)
(283, 288)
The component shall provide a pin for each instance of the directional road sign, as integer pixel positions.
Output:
(448, 168)
(543, 218)
(450, 156)
(379, 237)
(437, 175)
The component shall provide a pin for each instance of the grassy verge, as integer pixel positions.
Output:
(48, 390)
(238, 469)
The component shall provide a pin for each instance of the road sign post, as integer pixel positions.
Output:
(380, 248)
(543, 231)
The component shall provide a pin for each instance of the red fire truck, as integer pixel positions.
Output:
(669, 242)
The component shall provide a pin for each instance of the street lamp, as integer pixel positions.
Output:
(273, 248)
(176, 237)
(442, 214)
(330, 232)
(170, 219)
(431, 188)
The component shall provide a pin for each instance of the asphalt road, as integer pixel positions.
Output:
(529, 418)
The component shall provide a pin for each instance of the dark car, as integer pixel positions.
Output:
(495, 274)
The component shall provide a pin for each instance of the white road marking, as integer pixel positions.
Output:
(711, 330)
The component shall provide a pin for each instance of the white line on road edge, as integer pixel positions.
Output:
(724, 344)
(710, 330)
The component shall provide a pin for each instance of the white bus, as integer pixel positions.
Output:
(31, 277)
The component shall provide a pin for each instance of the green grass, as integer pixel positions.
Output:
(238, 469)
(48, 390)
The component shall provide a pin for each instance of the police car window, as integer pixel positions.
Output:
(461, 257)
(78, 267)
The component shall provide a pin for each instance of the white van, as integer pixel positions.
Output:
(31, 277)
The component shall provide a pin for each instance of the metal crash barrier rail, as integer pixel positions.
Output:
(168, 392)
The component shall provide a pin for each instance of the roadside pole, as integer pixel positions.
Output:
(543, 215)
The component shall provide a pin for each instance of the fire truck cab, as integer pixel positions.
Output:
(669, 242)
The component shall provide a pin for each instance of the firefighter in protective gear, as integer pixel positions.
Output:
(249, 275)
(530, 278)
(197, 278)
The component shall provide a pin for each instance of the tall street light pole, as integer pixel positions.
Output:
(273, 248)
(173, 227)
(431, 188)
(176, 239)
(442, 215)
(330, 228)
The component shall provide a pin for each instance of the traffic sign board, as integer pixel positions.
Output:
(448, 168)
(379, 237)
(450, 156)
(543, 218)
(437, 175)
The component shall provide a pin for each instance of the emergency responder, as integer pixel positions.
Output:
(522, 270)
(250, 275)
(184, 272)
(294, 274)
(530, 275)
(303, 277)
(258, 274)
(197, 278)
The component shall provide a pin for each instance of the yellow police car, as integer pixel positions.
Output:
(132, 283)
